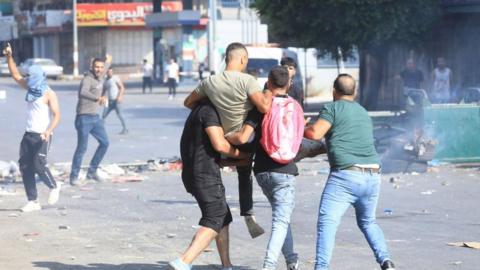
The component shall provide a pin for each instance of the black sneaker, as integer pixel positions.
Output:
(94, 176)
(388, 265)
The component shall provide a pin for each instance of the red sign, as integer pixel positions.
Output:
(172, 6)
(113, 14)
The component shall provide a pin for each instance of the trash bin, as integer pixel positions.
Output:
(456, 127)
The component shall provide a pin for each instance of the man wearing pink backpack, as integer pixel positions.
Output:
(278, 136)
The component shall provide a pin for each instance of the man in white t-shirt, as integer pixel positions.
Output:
(172, 78)
(115, 90)
(147, 71)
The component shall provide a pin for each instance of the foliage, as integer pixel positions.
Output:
(346, 24)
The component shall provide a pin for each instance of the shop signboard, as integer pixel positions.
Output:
(113, 14)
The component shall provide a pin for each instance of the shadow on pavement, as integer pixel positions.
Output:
(124, 266)
(156, 112)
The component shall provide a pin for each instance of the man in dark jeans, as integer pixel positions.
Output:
(88, 121)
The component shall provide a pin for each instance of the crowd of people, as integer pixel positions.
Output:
(234, 122)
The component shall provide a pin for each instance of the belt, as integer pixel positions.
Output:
(364, 170)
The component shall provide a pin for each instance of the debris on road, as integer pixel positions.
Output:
(473, 245)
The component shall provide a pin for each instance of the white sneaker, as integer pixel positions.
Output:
(254, 228)
(54, 194)
(170, 97)
(31, 206)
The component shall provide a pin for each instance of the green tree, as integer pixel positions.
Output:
(372, 26)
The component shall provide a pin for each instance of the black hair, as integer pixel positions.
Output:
(278, 77)
(288, 61)
(231, 48)
(96, 59)
(345, 85)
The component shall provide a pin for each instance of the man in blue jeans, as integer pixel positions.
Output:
(91, 98)
(354, 176)
(276, 180)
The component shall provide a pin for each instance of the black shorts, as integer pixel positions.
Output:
(210, 196)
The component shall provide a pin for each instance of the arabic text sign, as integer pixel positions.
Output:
(122, 14)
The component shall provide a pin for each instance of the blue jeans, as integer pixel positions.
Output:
(86, 124)
(345, 188)
(280, 191)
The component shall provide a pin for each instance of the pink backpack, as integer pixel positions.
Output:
(282, 129)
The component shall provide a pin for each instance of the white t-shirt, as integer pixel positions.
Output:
(147, 70)
(111, 86)
(172, 71)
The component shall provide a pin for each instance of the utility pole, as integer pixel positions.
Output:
(75, 39)
(212, 65)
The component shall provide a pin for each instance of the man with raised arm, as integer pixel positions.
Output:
(43, 115)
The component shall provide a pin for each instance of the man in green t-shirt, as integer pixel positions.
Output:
(234, 93)
(354, 176)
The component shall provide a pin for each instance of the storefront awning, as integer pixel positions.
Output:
(169, 19)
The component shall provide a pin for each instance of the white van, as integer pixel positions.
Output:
(261, 59)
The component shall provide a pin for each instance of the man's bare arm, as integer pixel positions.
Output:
(12, 67)
(242, 136)
(121, 90)
(221, 145)
(318, 130)
(192, 99)
(55, 109)
(261, 100)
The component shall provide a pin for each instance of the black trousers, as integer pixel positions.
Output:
(33, 160)
(245, 189)
(172, 86)
(147, 81)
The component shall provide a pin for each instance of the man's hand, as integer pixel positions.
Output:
(102, 100)
(7, 51)
(307, 120)
(46, 136)
(108, 58)
(119, 99)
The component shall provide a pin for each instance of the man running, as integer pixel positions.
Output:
(115, 90)
(354, 173)
(90, 99)
(43, 115)
(234, 93)
(201, 144)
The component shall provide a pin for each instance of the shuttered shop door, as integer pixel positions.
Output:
(129, 47)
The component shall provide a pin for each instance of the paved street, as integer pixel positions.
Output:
(141, 226)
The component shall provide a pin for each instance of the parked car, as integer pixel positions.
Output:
(4, 67)
(51, 69)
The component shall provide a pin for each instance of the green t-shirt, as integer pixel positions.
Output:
(350, 139)
(228, 91)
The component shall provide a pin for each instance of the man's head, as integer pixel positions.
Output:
(110, 72)
(145, 61)
(98, 66)
(290, 64)
(344, 86)
(278, 79)
(411, 64)
(441, 63)
(172, 60)
(236, 56)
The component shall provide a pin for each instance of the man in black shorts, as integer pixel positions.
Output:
(201, 144)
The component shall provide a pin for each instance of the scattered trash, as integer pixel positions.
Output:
(31, 234)
(63, 227)
(474, 245)
(446, 183)
(13, 215)
(171, 235)
(208, 250)
(113, 169)
(128, 178)
(428, 192)
(415, 173)
(456, 263)
(388, 211)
